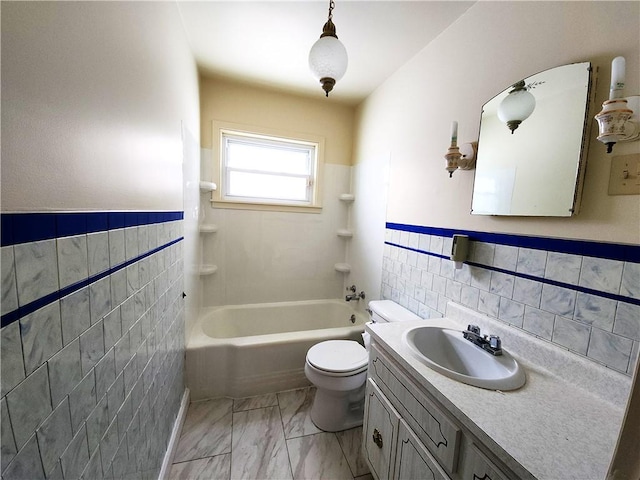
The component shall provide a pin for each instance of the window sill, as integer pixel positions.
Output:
(267, 207)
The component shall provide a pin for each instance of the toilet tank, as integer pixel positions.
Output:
(384, 311)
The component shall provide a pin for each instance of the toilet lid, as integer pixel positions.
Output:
(338, 356)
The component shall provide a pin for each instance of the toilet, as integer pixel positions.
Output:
(338, 370)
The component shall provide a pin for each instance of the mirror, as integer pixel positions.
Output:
(535, 169)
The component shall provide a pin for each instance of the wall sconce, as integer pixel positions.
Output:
(516, 107)
(463, 157)
(328, 57)
(615, 122)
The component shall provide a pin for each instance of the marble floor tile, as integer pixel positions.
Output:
(259, 449)
(210, 468)
(295, 406)
(318, 456)
(206, 431)
(351, 444)
(249, 403)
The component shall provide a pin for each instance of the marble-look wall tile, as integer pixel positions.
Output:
(436, 244)
(627, 320)
(601, 274)
(73, 261)
(9, 299)
(527, 291)
(54, 435)
(531, 261)
(597, 311)
(118, 287)
(11, 359)
(489, 304)
(131, 242)
(26, 464)
(538, 322)
(558, 300)
(112, 324)
(480, 278)
(8, 447)
(36, 270)
(610, 349)
(563, 267)
(41, 333)
(82, 400)
(505, 257)
(65, 371)
(570, 334)
(258, 445)
(511, 312)
(98, 252)
(91, 346)
(76, 456)
(105, 371)
(109, 445)
(29, 404)
(75, 314)
(482, 253)
(100, 299)
(93, 470)
(502, 284)
(630, 280)
(97, 423)
(424, 242)
(635, 353)
(116, 247)
(318, 456)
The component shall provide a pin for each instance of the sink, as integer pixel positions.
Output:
(447, 352)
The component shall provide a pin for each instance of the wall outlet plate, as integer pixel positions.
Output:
(624, 178)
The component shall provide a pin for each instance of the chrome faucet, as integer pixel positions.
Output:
(490, 343)
(354, 296)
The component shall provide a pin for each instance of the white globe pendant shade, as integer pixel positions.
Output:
(328, 61)
(516, 107)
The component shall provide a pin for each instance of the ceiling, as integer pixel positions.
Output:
(267, 43)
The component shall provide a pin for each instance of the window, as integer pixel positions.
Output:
(258, 171)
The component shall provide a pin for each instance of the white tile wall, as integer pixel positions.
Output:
(91, 383)
(600, 328)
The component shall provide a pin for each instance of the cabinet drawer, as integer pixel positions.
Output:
(380, 433)
(430, 424)
(413, 460)
(478, 466)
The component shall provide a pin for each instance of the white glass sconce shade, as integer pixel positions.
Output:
(328, 61)
(516, 107)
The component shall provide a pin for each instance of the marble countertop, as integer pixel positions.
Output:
(562, 424)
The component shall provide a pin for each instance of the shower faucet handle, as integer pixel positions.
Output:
(352, 289)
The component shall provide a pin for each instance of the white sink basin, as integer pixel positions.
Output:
(447, 352)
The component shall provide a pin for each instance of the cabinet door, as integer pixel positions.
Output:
(380, 432)
(479, 467)
(413, 460)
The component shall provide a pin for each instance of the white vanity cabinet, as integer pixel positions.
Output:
(408, 435)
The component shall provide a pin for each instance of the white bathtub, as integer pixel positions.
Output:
(245, 350)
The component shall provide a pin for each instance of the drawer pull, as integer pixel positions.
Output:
(377, 438)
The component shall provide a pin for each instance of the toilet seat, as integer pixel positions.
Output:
(339, 358)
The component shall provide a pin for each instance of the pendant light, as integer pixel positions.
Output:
(328, 57)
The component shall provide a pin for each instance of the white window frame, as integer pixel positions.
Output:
(223, 132)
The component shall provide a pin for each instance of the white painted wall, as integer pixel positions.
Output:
(491, 46)
(93, 96)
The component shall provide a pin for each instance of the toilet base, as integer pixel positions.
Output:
(334, 411)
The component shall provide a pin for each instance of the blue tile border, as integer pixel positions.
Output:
(15, 315)
(18, 228)
(610, 251)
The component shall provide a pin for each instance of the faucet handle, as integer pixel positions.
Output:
(352, 289)
(473, 329)
(495, 342)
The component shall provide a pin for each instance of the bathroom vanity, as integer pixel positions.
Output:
(563, 423)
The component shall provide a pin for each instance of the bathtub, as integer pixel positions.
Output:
(245, 350)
